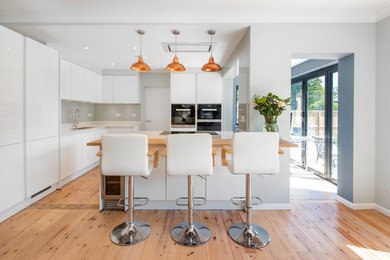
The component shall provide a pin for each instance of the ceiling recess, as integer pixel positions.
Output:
(188, 46)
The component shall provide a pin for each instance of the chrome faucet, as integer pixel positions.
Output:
(76, 118)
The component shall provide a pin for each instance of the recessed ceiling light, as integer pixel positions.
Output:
(8, 48)
(86, 48)
(134, 48)
(112, 63)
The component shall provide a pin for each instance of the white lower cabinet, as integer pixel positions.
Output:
(223, 185)
(153, 187)
(71, 155)
(177, 187)
(89, 152)
(122, 130)
(12, 176)
(41, 164)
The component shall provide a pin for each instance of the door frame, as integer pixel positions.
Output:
(327, 73)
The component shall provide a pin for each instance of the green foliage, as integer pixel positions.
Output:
(315, 95)
(270, 105)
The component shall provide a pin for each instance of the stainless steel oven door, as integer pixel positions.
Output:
(209, 111)
(182, 115)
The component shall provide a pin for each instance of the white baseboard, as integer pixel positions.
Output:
(356, 206)
(363, 206)
(345, 202)
(382, 210)
(74, 176)
(24, 204)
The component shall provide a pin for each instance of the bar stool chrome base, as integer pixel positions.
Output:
(129, 234)
(186, 235)
(253, 237)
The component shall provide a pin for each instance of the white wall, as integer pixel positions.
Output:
(272, 46)
(382, 107)
(236, 65)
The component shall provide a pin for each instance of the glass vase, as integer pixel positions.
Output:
(271, 124)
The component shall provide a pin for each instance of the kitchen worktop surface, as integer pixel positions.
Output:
(225, 138)
(84, 127)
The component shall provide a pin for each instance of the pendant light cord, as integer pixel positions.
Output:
(211, 45)
(175, 44)
(140, 45)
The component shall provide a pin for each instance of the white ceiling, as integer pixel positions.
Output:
(119, 44)
(108, 27)
(196, 11)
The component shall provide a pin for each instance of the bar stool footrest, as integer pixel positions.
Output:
(201, 201)
(240, 201)
(121, 202)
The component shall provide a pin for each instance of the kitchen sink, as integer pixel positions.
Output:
(82, 128)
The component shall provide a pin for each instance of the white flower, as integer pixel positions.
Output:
(281, 104)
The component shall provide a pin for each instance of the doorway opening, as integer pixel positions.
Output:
(314, 127)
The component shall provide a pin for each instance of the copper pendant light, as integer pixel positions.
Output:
(175, 66)
(140, 65)
(211, 66)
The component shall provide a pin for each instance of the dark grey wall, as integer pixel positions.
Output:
(309, 66)
(345, 131)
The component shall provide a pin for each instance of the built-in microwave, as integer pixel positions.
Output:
(183, 116)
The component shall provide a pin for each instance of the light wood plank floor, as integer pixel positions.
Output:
(68, 225)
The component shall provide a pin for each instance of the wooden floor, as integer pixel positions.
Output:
(68, 225)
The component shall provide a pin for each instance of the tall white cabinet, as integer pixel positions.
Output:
(209, 89)
(12, 188)
(42, 116)
(200, 88)
(183, 88)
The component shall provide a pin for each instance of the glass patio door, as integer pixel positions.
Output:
(314, 103)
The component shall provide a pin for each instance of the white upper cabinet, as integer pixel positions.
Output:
(11, 87)
(183, 88)
(126, 89)
(99, 88)
(65, 78)
(108, 89)
(91, 93)
(209, 89)
(42, 91)
(78, 82)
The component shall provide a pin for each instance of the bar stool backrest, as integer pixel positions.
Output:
(124, 155)
(255, 153)
(189, 154)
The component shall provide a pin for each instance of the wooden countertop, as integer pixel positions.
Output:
(217, 141)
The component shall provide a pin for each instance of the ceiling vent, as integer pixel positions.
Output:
(188, 46)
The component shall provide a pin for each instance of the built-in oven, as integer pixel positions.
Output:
(209, 112)
(183, 117)
(209, 118)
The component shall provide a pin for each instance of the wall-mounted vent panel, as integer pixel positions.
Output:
(188, 46)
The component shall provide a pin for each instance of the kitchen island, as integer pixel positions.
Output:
(163, 190)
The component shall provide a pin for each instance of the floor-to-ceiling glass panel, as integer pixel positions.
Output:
(335, 101)
(315, 153)
(296, 122)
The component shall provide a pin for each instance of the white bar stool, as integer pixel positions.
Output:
(126, 155)
(253, 153)
(190, 154)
